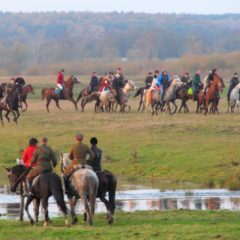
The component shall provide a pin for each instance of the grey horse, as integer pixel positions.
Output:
(84, 183)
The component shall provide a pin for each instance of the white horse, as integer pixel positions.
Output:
(84, 183)
(170, 94)
(124, 95)
(234, 99)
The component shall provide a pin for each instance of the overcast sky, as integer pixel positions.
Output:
(149, 6)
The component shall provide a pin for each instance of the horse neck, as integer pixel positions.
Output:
(127, 88)
(69, 84)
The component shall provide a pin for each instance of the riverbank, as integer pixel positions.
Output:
(181, 224)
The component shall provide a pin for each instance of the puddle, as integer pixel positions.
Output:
(139, 199)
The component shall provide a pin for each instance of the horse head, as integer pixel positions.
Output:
(14, 175)
(71, 81)
(131, 85)
(176, 82)
(218, 81)
(29, 89)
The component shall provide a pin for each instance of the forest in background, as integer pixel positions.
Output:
(81, 42)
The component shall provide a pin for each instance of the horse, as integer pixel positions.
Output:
(153, 97)
(23, 95)
(107, 184)
(85, 91)
(124, 95)
(234, 99)
(170, 94)
(141, 91)
(67, 93)
(13, 104)
(84, 184)
(3, 107)
(183, 94)
(212, 95)
(46, 185)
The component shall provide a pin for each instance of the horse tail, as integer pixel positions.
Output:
(57, 192)
(139, 92)
(43, 93)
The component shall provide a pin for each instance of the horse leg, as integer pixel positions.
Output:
(175, 105)
(47, 104)
(1, 117)
(21, 202)
(7, 115)
(186, 107)
(26, 106)
(29, 200)
(72, 204)
(57, 103)
(107, 204)
(180, 107)
(36, 209)
(45, 210)
(84, 198)
(75, 104)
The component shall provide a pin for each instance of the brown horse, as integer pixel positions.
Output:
(85, 91)
(182, 94)
(212, 95)
(23, 96)
(67, 93)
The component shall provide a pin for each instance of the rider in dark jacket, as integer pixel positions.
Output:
(233, 83)
(93, 83)
(148, 80)
(117, 85)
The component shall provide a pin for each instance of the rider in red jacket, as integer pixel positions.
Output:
(60, 79)
(28, 152)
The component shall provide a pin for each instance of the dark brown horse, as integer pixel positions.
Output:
(212, 95)
(85, 91)
(48, 184)
(23, 96)
(182, 94)
(67, 93)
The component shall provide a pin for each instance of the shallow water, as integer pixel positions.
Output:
(139, 198)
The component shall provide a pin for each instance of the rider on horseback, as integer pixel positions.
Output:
(210, 78)
(60, 82)
(93, 83)
(19, 82)
(196, 84)
(42, 157)
(233, 83)
(162, 82)
(148, 80)
(185, 77)
(8, 89)
(96, 162)
(29, 151)
(118, 84)
(78, 156)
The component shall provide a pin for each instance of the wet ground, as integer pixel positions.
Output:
(138, 197)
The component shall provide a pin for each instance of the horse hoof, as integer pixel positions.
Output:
(45, 224)
(110, 221)
(31, 222)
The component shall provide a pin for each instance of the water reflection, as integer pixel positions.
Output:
(140, 200)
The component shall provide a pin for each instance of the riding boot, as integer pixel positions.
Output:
(29, 190)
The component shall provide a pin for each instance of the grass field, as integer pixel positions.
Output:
(184, 148)
(167, 225)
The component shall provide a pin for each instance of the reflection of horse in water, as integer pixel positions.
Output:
(66, 94)
(46, 185)
(212, 203)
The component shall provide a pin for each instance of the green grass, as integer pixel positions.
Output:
(181, 148)
(191, 225)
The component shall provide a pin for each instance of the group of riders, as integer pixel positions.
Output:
(14, 83)
(40, 159)
(109, 81)
(157, 80)
(161, 81)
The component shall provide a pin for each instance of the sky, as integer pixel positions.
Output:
(148, 6)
